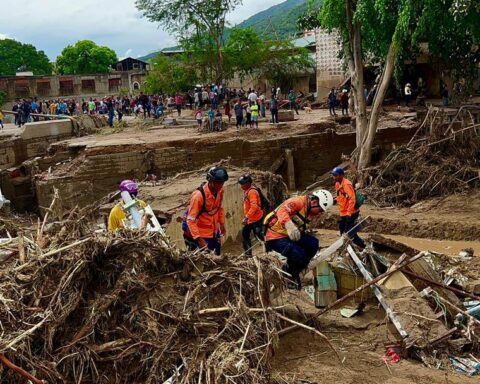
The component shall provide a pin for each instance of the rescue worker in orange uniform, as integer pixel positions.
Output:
(253, 211)
(205, 218)
(346, 201)
(286, 230)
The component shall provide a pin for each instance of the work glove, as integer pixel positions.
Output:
(292, 231)
(223, 231)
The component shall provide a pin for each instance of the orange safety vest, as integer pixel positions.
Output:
(205, 222)
(252, 205)
(294, 209)
(346, 197)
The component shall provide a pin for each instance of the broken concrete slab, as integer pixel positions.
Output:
(46, 128)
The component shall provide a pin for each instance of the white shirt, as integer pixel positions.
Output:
(252, 97)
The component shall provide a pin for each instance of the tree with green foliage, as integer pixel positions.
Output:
(247, 54)
(85, 57)
(15, 55)
(283, 61)
(243, 53)
(388, 31)
(169, 75)
(187, 18)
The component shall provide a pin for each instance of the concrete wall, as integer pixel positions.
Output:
(330, 72)
(46, 128)
(313, 154)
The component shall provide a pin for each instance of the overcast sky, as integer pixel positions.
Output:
(50, 25)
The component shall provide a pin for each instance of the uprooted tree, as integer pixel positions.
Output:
(386, 32)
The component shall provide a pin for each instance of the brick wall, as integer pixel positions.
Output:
(100, 173)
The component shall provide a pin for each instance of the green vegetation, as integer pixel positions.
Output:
(15, 55)
(85, 57)
(279, 21)
(390, 31)
(169, 75)
(3, 98)
(276, 22)
(244, 54)
(201, 21)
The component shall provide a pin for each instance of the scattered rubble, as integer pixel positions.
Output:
(439, 163)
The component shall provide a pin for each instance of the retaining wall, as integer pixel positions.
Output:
(101, 171)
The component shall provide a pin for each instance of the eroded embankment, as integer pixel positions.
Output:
(103, 167)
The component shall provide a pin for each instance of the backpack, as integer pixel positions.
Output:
(359, 199)
(264, 202)
(185, 229)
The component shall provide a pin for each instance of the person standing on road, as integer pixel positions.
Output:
(111, 111)
(274, 109)
(344, 102)
(199, 117)
(1, 119)
(349, 211)
(292, 98)
(228, 111)
(238, 113)
(332, 102)
(254, 110)
(261, 99)
(178, 103)
(211, 119)
(249, 115)
(286, 230)
(253, 212)
(252, 97)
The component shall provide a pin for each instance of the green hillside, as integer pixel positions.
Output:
(277, 21)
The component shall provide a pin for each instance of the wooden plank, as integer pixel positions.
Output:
(391, 315)
(420, 267)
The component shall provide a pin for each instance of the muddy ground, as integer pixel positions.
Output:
(440, 225)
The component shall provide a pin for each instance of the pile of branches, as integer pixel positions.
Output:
(86, 307)
(440, 164)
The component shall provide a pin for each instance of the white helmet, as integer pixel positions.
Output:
(325, 198)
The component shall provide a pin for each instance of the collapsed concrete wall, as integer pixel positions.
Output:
(34, 140)
(102, 168)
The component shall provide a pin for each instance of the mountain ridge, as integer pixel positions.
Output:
(279, 21)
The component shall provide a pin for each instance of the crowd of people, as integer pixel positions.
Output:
(209, 103)
(247, 106)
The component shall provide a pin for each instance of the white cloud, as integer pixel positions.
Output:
(114, 23)
(127, 53)
(3, 36)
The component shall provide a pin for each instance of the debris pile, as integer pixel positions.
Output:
(80, 306)
(434, 322)
(442, 162)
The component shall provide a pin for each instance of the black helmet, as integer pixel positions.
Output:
(217, 174)
(245, 179)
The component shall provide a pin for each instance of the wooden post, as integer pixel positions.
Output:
(290, 170)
